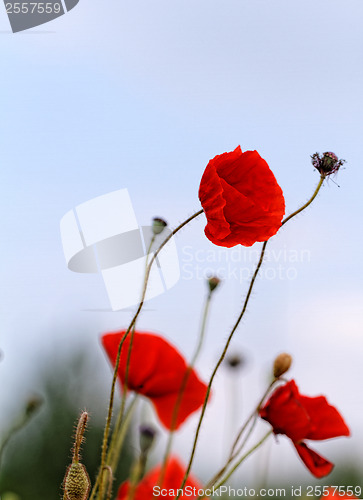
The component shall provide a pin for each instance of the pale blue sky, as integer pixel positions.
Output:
(141, 95)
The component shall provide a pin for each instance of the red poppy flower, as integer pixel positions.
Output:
(157, 371)
(241, 199)
(301, 417)
(173, 478)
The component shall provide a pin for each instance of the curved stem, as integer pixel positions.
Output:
(218, 365)
(133, 321)
(219, 362)
(119, 434)
(249, 452)
(234, 446)
(183, 387)
(307, 203)
(234, 453)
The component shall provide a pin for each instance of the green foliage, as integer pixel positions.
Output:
(36, 457)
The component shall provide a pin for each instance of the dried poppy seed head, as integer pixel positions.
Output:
(158, 225)
(282, 364)
(76, 482)
(328, 163)
(147, 436)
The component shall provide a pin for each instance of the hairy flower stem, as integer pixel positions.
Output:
(322, 178)
(247, 454)
(136, 474)
(220, 360)
(131, 325)
(235, 452)
(125, 386)
(183, 386)
(119, 434)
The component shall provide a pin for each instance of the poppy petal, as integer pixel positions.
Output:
(241, 199)
(326, 421)
(173, 478)
(156, 371)
(285, 413)
(316, 464)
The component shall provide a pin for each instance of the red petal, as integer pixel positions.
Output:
(173, 478)
(316, 464)
(241, 199)
(156, 371)
(326, 421)
(285, 412)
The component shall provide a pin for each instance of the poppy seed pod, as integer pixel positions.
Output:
(158, 225)
(328, 163)
(282, 364)
(213, 282)
(76, 482)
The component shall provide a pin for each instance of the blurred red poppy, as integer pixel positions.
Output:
(173, 478)
(301, 417)
(157, 371)
(241, 199)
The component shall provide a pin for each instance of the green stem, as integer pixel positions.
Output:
(249, 452)
(252, 416)
(119, 435)
(29, 411)
(183, 387)
(219, 362)
(307, 203)
(133, 322)
(234, 453)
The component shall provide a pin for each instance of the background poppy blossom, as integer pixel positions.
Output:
(302, 417)
(173, 478)
(241, 199)
(157, 371)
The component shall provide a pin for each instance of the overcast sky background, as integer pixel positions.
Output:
(140, 95)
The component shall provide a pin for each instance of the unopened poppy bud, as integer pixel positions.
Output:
(235, 361)
(158, 225)
(282, 364)
(147, 436)
(76, 482)
(33, 404)
(328, 163)
(213, 282)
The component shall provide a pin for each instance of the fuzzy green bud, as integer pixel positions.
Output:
(158, 225)
(213, 282)
(147, 436)
(76, 484)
